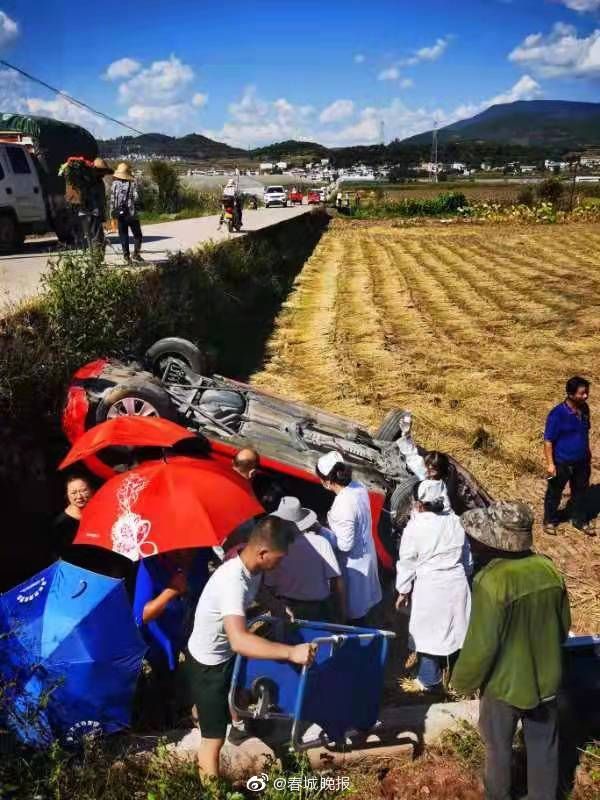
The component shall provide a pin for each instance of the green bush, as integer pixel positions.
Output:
(445, 203)
(550, 191)
(166, 179)
(90, 306)
(526, 196)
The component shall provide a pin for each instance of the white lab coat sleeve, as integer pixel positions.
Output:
(343, 526)
(408, 558)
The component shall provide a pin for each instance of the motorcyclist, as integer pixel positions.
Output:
(231, 193)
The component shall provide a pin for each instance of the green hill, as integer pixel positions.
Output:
(550, 124)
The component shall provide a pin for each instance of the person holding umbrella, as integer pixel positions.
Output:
(220, 631)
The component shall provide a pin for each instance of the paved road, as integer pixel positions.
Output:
(20, 274)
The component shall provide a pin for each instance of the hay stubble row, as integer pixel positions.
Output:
(471, 328)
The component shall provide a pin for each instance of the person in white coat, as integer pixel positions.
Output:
(350, 522)
(434, 564)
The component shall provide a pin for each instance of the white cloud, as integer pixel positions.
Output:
(122, 68)
(561, 53)
(582, 5)
(173, 118)
(9, 29)
(340, 109)
(360, 58)
(163, 82)
(431, 53)
(199, 100)
(406, 83)
(389, 74)
(402, 121)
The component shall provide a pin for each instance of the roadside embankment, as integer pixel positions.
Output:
(223, 297)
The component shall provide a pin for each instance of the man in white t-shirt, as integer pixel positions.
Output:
(220, 632)
(306, 576)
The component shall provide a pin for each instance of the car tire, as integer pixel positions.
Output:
(141, 398)
(12, 236)
(389, 430)
(401, 499)
(181, 349)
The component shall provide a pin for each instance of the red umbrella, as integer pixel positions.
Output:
(126, 432)
(167, 505)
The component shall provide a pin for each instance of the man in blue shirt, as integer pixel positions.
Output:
(568, 457)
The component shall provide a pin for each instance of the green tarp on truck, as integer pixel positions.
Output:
(53, 142)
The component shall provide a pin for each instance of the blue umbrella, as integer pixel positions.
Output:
(70, 655)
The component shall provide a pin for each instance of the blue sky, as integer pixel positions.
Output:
(253, 73)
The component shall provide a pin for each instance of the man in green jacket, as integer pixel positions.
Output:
(513, 649)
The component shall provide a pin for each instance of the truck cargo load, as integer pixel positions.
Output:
(51, 140)
(49, 143)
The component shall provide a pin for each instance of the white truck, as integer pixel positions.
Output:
(32, 194)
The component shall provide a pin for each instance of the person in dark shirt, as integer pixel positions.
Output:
(568, 456)
(64, 529)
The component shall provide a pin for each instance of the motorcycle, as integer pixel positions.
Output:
(232, 215)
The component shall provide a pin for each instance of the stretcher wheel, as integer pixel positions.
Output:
(264, 692)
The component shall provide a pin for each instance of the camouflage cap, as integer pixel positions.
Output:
(503, 526)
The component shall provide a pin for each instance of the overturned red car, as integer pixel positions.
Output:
(290, 436)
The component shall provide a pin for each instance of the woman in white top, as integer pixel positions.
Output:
(350, 522)
(434, 563)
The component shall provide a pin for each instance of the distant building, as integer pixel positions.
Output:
(458, 166)
(590, 158)
(282, 165)
(324, 162)
(266, 167)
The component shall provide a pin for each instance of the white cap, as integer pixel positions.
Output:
(431, 491)
(327, 462)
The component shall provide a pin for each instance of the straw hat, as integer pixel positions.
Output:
(291, 510)
(123, 172)
(101, 165)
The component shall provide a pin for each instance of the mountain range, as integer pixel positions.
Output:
(537, 127)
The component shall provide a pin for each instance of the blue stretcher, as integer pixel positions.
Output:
(341, 691)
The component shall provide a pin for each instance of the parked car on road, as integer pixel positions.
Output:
(171, 382)
(275, 196)
(295, 197)
(314, 197)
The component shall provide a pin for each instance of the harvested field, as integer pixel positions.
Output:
(475, 329)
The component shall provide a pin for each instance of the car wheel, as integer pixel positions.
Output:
(389, 430)
(143, 399)
(401, 499)
(11, 234)
(181, 350)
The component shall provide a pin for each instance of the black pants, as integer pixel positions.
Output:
(577, 475)
(497, 724)
(92, 230)
(125, 223)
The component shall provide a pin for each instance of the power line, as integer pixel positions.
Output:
(68, 98)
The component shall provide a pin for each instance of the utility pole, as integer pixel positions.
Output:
(382, 133)
(434, 154)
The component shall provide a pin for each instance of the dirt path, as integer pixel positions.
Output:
(474, 329)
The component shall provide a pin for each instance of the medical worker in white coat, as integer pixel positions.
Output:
(350, 522)
(434, 564)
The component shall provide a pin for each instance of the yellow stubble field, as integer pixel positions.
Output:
(475, 328)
